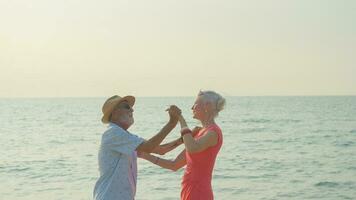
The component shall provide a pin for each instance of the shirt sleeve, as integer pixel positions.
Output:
(124, 142)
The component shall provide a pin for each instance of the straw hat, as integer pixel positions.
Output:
(110, 104)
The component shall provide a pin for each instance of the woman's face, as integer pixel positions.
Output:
(198, 108)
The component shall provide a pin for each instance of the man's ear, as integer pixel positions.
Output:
(113, 113)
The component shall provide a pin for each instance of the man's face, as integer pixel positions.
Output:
(124, 113)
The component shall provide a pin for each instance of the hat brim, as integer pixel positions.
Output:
(129, 99)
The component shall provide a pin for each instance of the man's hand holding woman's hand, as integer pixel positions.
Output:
(142, 154)
(174, 113)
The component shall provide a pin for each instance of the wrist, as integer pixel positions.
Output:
(173, 121)
(156, 160)
(171, 124)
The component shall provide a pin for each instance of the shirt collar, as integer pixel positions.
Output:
(117, 126)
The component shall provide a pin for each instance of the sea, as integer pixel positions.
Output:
(276, 147)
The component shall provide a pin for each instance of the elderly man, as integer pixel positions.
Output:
(117, 154)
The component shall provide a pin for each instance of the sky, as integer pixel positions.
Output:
(92, 48)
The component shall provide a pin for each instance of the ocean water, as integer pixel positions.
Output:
(274, 148)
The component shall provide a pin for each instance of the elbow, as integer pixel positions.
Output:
(174, 168)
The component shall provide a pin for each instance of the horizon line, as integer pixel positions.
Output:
(138, 96)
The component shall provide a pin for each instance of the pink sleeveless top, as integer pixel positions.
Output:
(196, 184)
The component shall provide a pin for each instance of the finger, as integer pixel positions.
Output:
(175, 107)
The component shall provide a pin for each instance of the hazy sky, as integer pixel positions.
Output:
(175, 48)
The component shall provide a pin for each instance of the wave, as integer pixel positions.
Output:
(256, 120)
(253, 130)
(325, 131)
(262, 121)
(326, 184)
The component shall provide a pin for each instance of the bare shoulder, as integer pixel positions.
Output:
(212, 137)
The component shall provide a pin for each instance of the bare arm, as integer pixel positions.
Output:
(163, 149)
(173, 165)
(204, 142)
(153, 142)
(149, 145)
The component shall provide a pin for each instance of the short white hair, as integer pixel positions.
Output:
(214, 98)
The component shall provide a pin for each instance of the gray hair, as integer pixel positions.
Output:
(214, 98)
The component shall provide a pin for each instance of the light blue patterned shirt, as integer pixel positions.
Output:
(117, 165)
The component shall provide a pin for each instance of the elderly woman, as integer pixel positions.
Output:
(201, 148)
